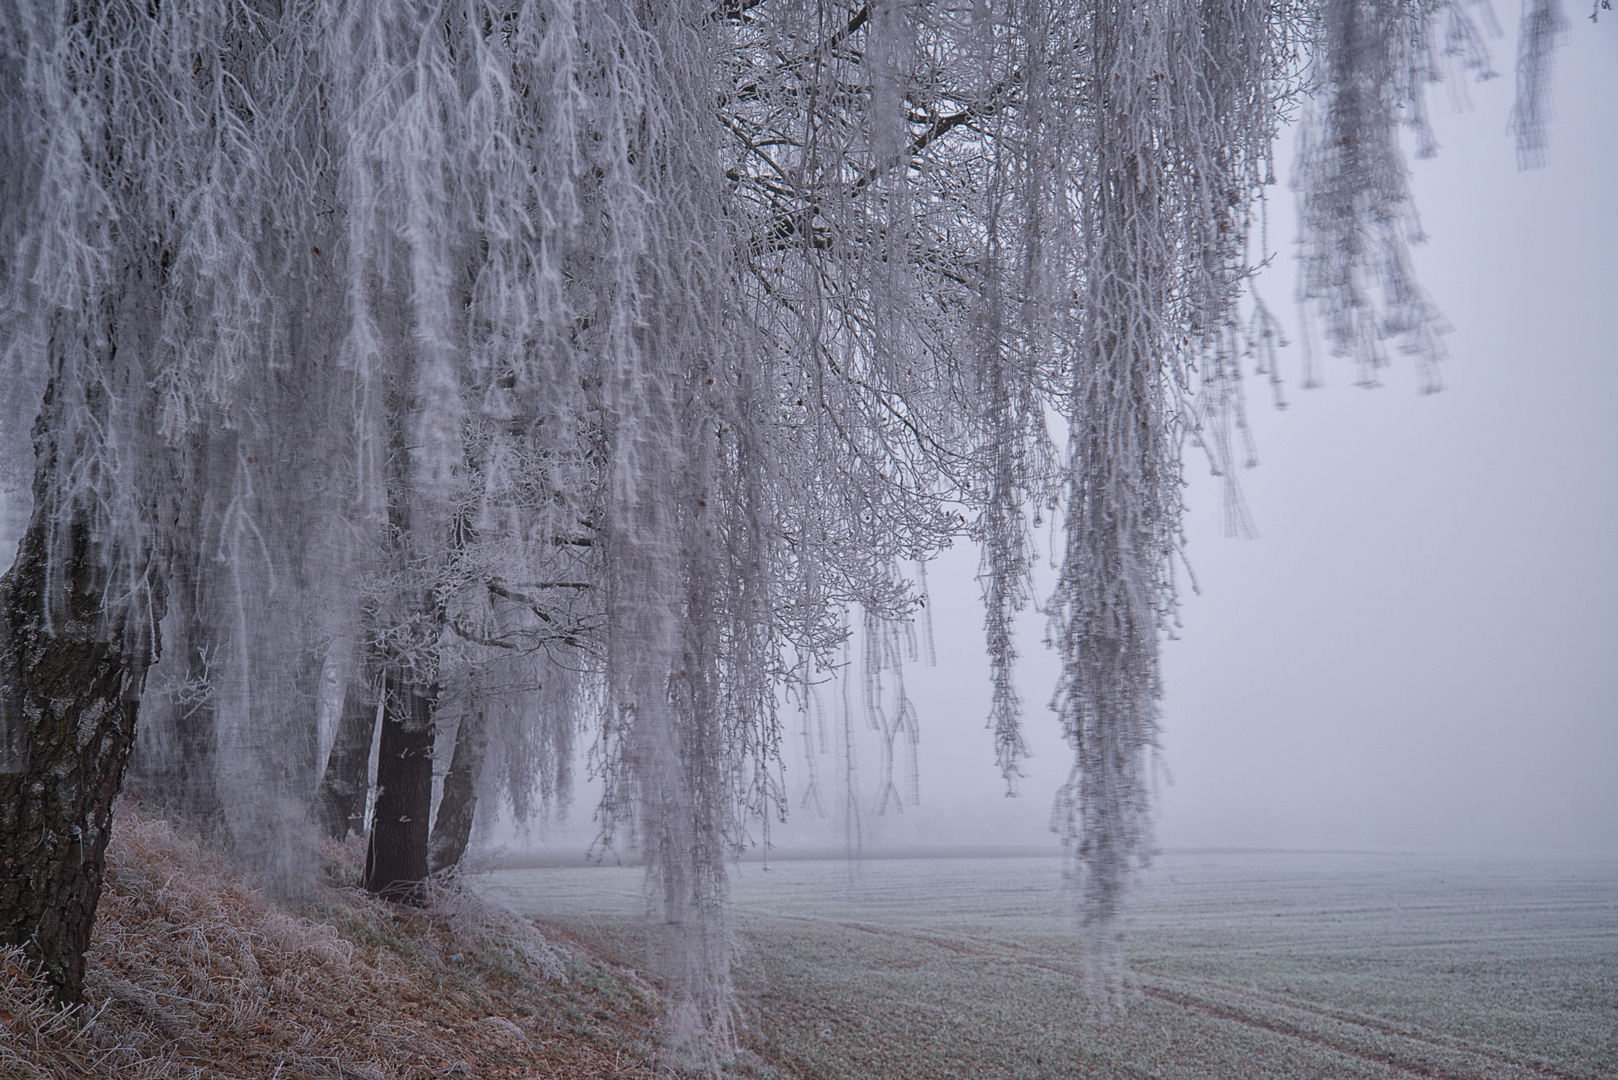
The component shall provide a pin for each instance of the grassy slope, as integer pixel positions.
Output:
(194, 974)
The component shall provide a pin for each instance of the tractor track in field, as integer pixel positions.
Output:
(1369, 1039)
(1413, 1053)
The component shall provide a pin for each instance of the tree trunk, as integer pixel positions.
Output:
(396, 862)
(452, 829)
(340, 802)
(70, 685)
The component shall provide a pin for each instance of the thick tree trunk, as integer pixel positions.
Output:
(396, 862)
(452, 828)
(340, 802)
(70, 686)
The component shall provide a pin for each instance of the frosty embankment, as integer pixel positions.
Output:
(193, 974)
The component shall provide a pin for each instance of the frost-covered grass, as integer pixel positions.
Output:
(1251, 965)
(194, 974)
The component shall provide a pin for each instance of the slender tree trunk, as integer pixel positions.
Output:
(340, 802)
(396, 862)
(70, 687)
(452, 828)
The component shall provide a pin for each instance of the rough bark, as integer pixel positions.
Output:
(340, 801)
(70, 685)
(396, 861)
(452, 828)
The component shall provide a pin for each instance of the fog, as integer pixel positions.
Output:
(1417, 650)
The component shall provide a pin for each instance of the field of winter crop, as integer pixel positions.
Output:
(1247, 965)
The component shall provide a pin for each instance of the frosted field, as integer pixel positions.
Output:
(1249, 965)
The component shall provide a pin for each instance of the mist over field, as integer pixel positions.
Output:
(1255, 965)
(853, 540)
(1388, 810)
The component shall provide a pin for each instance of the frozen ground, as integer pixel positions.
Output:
(1248, 964)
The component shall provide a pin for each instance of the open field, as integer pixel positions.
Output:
(1248, 965)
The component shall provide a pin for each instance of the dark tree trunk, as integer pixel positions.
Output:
(452, 828)
(396, 862)
(340, 802)
(70, 686)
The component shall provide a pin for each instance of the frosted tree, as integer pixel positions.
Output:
(148, 326)
(529, 369)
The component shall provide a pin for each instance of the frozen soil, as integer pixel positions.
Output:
(1255, 965)
(195, 975)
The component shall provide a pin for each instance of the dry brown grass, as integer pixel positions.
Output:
(194, 974)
